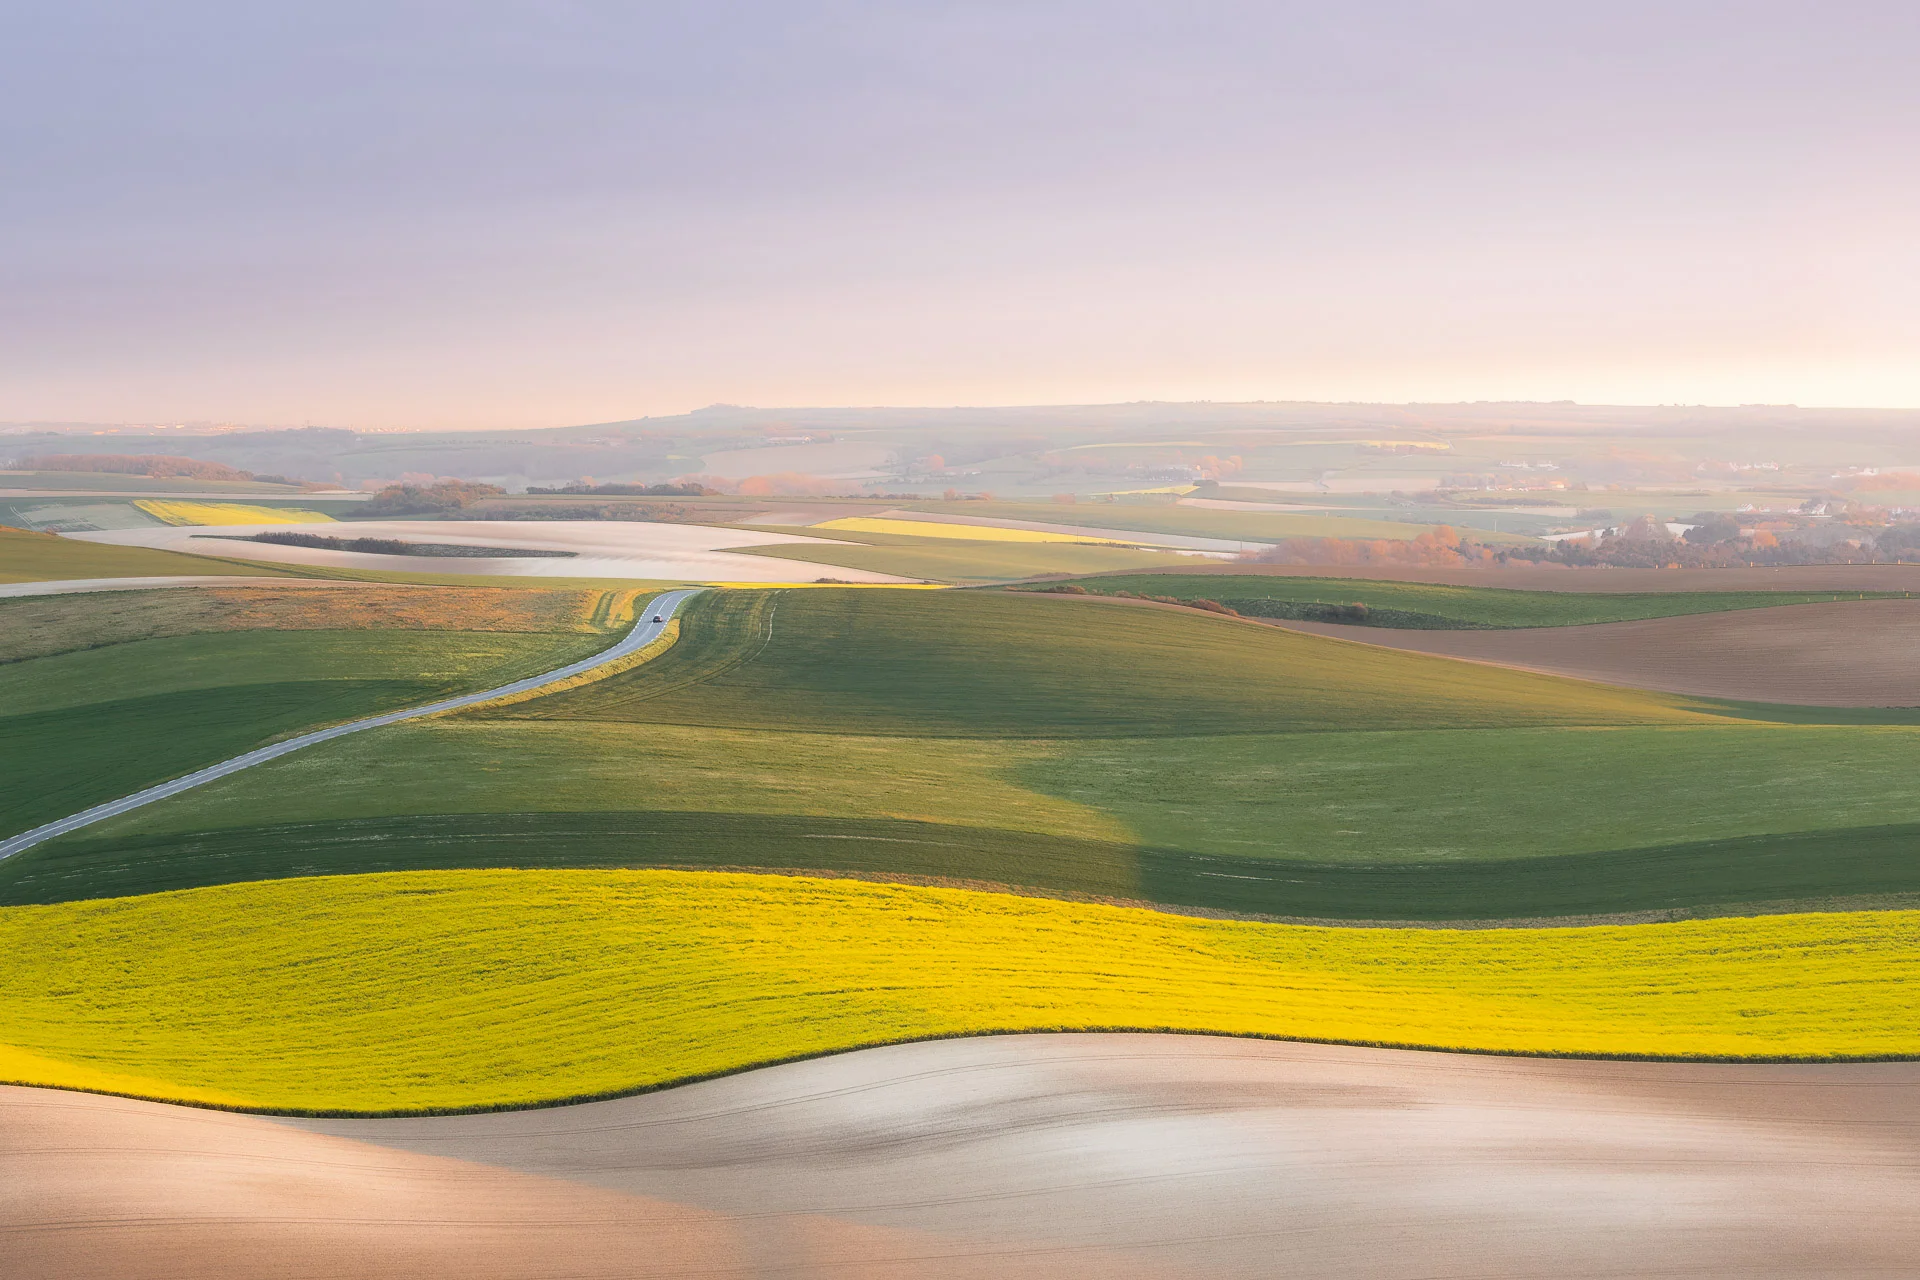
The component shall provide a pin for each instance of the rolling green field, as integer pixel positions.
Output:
(42, 557)
(81, 727)
(968, 664)
(979, 737)
(1333, 825)
(485, 989)
(1424, 605)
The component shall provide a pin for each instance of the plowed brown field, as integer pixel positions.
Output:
(1856, 653)
(1819, 577)
(1015, 1156)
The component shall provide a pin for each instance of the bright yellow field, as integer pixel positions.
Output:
(960, 532)
(486, 988)
(227, 513)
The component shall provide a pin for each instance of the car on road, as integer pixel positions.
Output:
(658, 618)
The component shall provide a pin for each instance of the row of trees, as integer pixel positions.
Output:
(154, 465)
(443, 497)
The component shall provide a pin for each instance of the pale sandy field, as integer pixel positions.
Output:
(1855, 653)
(604, 549)
(1014, 1156)
(1172, 541)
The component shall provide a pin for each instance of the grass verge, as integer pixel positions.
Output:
(47, 557)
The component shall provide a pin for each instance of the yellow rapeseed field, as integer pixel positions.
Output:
(962, 532)
(423, 990)
(227, 513)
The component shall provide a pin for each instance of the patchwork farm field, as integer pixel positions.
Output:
(977, 738)
(83, 725)
(483, 989)
(37, 627)
(1853, 653)
(1415, 605)
(46, 557)
(966, 562)
(963, 664)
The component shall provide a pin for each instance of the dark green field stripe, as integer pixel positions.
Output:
(77, 867)
(1853, 862)
(1864, 862)
(58, 762)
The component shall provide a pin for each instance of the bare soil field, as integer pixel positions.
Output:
(1855, 653)
(1109, 1155)
(1819, 577)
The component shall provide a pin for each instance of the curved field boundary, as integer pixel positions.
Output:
(482, 990)
(76, 586)
(1817, 577)
(1654, 1169)
(1844, 868)
(1854, 653)
(642, 634)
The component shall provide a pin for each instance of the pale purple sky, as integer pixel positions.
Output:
(491, 214)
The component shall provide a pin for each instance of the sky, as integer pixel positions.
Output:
(484, 214)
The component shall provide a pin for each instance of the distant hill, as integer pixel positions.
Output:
(155, 465)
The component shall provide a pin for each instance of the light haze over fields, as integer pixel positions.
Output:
(493, 214)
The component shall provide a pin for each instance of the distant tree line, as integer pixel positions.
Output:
(443, 498)
(682, 489)
(153, 465)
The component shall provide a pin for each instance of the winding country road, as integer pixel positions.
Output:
(644, 633)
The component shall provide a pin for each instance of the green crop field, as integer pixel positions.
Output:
(81, 727)
(1424, 605)
(45, 557)
(487, 989)
(1355, 826)
(934, 664)
(1038, 743)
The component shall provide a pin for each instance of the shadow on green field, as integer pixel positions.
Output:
(1702, 877)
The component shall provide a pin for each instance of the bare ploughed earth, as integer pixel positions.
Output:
(1021, 1156)
(1549, 577)
(1855, 653)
